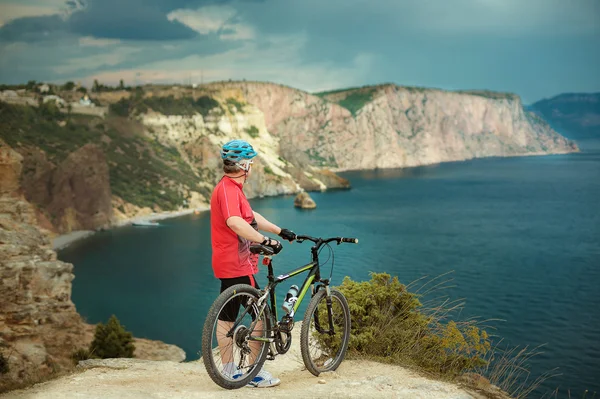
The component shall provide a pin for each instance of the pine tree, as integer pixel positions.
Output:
(111, 340)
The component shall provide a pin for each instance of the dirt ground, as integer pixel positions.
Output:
(142, 379)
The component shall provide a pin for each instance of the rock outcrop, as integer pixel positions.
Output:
(38, 321)
(304, 201)
(76, 193)
(39, 325)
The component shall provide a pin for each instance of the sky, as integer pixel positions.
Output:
(534, 48)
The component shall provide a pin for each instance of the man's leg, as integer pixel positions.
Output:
(256, 345)
(225, 343)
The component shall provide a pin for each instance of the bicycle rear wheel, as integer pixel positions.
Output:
(323, 349)
(231, 358)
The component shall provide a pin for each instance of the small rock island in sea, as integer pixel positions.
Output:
(304, 201)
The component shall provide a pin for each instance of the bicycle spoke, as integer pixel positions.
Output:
(233, 351)
(323, 350)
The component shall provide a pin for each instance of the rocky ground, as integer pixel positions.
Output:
(137, 379)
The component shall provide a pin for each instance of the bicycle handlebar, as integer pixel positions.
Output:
(268, 251)
(339, 240)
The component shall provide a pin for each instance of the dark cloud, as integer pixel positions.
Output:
(111, 19)
(131, 20)
(535, 48)
(33, 29)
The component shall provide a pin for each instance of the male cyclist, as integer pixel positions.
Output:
(234, 226)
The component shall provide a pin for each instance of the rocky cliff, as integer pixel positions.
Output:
(391, 126)
(158, 149)
(75, 192)
(39, 325)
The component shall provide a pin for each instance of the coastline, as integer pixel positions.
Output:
(62, 241)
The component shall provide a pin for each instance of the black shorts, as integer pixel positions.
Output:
(230, 311)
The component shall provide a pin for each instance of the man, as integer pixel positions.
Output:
(234, 227)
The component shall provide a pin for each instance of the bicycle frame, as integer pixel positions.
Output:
(314, 276)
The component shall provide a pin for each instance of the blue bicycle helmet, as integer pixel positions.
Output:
(237, 150)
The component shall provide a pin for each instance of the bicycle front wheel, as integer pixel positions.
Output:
(324, 339)
(235, 337)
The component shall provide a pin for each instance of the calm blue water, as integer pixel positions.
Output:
(521, 237)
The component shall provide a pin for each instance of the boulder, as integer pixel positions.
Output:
(304, 201)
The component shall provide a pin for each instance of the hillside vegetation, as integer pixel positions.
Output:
(167, 105)
(354, 98)
(143, 172)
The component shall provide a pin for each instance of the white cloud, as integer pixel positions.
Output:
(203, 20)
(89, 41)
(106, 59)
(14, 10)
(214, 19)
(238, 32)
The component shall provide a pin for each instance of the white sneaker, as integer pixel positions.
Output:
(264, 379)
(231, 371)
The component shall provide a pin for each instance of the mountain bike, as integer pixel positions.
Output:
(242, 329)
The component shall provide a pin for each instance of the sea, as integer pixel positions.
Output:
(516, 241)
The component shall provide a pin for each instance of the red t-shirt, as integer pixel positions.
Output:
(231, 255)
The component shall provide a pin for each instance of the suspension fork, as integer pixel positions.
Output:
(329, 303)
(329, 315)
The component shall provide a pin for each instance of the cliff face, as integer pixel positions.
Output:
(398, 127)
(76, 192)
(38, 321)
(199, 140)
(164, 156)
(39, 325)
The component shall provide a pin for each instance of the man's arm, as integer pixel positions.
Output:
(243, 229)
(265, 225)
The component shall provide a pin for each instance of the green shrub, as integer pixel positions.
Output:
(357, 100)
(111, 340)
(232, 102)
(169, 105)
(4, 367)
(120, 108)
(252, 131)
(390, 324)
(68, 86)
(81, 354)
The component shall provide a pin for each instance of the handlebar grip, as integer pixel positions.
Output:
(259, 249)
(350, 240)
